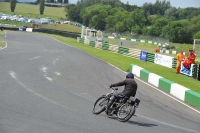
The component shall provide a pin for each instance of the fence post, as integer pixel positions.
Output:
(195, 71)
(198, 71)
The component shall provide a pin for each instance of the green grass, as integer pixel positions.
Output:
(12, 23)
(26, 10)
(123, 62)
(1, 44)
(64, 27)
(1, 34)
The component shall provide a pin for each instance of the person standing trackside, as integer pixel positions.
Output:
(180, 57)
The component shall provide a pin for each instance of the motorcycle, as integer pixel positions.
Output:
(123, 107)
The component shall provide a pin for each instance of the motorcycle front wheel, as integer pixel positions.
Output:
(99, 105)
(125, 112)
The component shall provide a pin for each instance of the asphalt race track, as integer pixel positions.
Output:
(49, 87)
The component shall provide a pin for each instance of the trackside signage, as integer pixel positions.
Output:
(143, 55)
(21, 29)
(163, 60)
(185, 71)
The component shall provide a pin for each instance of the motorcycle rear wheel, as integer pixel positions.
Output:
(125, 112)
(99, 105)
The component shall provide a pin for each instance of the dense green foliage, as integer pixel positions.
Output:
(155, 19)
(42, 6)
(13, 5)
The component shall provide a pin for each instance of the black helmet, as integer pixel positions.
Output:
(130, 75)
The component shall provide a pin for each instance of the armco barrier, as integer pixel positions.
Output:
(114, 48)
(57, 32)
(11, 28)
(49, 31)
(168, 86)
(105, 46)
(135, 53)
(150, 57)
(123, 50)
(98, 45)
(174, 63)
(81, 40)
(92, 43)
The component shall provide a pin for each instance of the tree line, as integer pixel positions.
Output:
(180, 25)
(13, 4)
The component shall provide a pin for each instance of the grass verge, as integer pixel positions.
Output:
(1, 34)
(26, 10)
(123, 62)
(2, 44)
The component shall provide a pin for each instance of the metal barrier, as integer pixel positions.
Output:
(150, 57)
(123, 50)
(105, 46)
(135, 53)
(81, 40)
(92, 43)
(174, 63)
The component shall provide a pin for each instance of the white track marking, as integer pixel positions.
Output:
(55, 61)
(50, 79)
(82, 96)
(57, 73)
(44, 69)
(13, 75)
(168, 124)
(4, 46)
(34, 58)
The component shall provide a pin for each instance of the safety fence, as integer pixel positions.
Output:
(133, 40)
(156, 58)
(146, 41)
(135, 53)
(43, 30)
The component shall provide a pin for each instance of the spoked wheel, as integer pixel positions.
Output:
(125, 112)
(99, 105)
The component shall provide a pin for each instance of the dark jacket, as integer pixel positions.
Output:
(130, 87)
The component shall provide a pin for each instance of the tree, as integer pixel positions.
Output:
(176, 32)
(197, 35)
(156, 28)
(13, 5)
(161, 6)
(37, 2)
(42, 6)
(171, 13)
(94, 16)
(73, 13)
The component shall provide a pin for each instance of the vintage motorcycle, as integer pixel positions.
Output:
(123, 107)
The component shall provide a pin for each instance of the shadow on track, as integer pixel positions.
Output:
(137, 123)
(142, 124)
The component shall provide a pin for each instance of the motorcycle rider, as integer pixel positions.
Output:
(130, 88)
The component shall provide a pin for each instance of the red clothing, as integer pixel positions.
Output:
(190, 60)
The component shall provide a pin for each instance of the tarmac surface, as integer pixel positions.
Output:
(49, 87)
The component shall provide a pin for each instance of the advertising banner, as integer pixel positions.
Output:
(187, 72)
(163, 60)
(143, 55)
(29, 29)
(21, 29)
